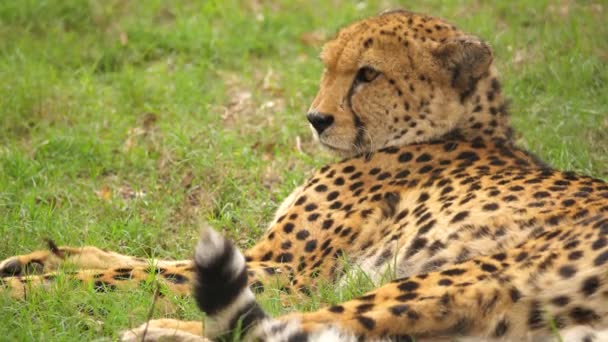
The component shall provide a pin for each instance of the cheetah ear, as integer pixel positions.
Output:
(467, 58)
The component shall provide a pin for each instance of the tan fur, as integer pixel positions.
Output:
(486, 240)
(416, 98)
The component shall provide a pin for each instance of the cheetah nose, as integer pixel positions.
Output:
(320, 121)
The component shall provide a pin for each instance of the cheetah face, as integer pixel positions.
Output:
(395, 79)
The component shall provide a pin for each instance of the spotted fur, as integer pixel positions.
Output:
(484, 239)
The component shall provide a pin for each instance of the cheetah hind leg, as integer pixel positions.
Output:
(107, 271)
(172, 276)
(80, 258)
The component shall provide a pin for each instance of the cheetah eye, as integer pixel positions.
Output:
(366, 75)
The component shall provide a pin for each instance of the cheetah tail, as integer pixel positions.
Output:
(221, 289)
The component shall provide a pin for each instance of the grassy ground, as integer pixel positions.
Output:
(124, 124)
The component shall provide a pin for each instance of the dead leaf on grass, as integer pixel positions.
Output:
(245, 111)
(164, 16)
(186, 182)
(238, 100)
(123, 38)
(200, 199)
(271, 83)
(267, 149)
(602, 54)
(164, 163)
(146, 129)
(257, 6)
(132, 135)
(126, 192)
(598, 146)
(148, 121)
(271, 176)
(240, 103)
(196, 203)
(104, 193)
(53, 201)
(299, 144)
(562, 8)
(520, 56)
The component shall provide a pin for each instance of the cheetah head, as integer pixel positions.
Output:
(401, 78)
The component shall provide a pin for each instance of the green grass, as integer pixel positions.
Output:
(125, 124)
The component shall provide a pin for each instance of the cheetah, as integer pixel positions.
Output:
(431, 187)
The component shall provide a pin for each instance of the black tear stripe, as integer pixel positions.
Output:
(359, 125)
